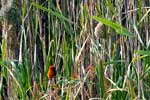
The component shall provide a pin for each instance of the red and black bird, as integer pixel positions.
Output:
(51, 72)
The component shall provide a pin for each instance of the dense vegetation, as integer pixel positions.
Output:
(100, 49)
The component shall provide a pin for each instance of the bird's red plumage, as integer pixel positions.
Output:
(51, 72)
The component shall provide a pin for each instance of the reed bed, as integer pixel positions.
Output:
(100, 49)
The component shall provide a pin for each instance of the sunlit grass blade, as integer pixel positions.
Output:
(119, 29)
(143, 52)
